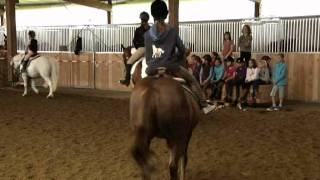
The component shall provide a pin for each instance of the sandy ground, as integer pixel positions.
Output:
(85, 137)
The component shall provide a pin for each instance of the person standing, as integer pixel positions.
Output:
(245, 44)
(280, 80)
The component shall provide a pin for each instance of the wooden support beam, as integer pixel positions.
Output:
(257, 7)
(109, 12)
(174, 13)
(11, 36)
(11, 28)
(92, 3)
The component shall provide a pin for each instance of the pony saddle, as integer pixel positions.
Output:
(26, 63)
(162, 72)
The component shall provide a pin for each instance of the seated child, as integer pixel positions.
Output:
(217, 79)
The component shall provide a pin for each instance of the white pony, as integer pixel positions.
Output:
(43, 67)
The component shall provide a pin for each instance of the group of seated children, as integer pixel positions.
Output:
(212, 73)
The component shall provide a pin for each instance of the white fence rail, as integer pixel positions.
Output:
(297, 34)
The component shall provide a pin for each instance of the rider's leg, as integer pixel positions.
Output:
(135, 57)
(25, 61)
(184, 73)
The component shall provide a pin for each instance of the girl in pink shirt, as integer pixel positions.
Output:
(228, 45)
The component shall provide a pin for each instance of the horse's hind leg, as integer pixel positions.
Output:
(178, 158)
(140, 152)
(49, 82)
(33, 86)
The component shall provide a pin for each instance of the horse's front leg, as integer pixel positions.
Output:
(33, 86)
(25, 83)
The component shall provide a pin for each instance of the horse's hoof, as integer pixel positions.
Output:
(50, 96)
(23, 95)
(37, 92)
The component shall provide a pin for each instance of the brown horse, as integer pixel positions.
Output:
(160, 107)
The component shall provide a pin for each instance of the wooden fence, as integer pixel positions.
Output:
(103, 71)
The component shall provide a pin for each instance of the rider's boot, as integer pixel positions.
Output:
(24, 65)
(127, 79)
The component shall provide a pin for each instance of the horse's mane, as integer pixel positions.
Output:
(18, 57)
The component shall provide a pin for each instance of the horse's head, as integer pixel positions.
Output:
(15, 63)
(126, 53)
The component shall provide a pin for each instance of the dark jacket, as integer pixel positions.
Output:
(166, 45)
(241, 73)
(138, 39)
(32, 46)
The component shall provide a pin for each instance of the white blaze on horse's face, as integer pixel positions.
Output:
(157, 52)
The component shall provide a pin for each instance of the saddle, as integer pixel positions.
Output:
(162, 72)
(23, 66)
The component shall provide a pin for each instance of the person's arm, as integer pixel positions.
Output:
(201, 72)
(135, 38)
(231, 49)
(147, 43)
(240, 43)
(247, 75)
(248, 41)
(231, 77)
(283, 74)
(220, 75)
(209, 77)
(181, 49)
(256, 75)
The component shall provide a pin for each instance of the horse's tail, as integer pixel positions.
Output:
(54, 73)
(141, 118)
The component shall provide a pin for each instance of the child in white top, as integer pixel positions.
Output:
(252, 77)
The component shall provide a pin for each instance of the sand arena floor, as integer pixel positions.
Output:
(86, 135)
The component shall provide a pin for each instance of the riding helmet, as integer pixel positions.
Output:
(159, 10)
(32, 34)
(144, 16)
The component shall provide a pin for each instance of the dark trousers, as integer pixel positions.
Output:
(247, 85)
(229, 90)
(246, 56)
(217, 89)
(238, 84)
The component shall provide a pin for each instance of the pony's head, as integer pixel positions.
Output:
(15, 64)
(16, 61)
(126, 53)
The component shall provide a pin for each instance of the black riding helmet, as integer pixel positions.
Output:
(144, 16)
(32, 34)
(159, 10)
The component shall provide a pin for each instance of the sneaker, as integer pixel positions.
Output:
(239, 106)
(208, 109)
(272, 108)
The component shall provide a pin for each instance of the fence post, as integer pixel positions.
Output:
(94, 40)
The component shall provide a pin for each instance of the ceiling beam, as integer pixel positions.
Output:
(92, 3)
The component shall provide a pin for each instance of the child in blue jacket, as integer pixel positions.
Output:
(280, 80)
